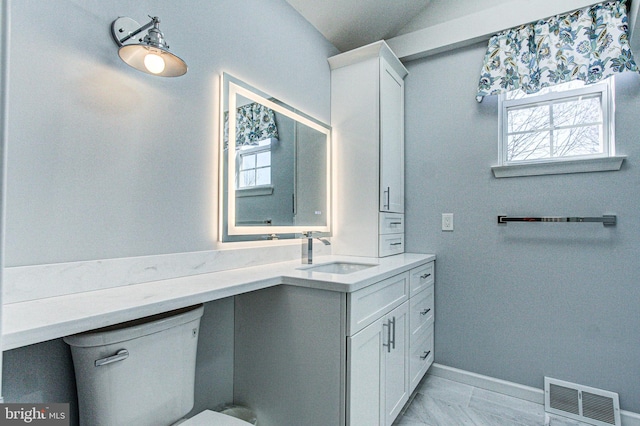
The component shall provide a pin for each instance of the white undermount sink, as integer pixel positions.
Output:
(338, 267)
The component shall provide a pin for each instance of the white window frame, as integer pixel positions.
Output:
(605, 161)
(253, 190)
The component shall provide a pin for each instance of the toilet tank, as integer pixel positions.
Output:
(140, 372)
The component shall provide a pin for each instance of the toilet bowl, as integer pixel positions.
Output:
(141, 372)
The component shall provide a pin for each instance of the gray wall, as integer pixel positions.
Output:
(526, 300)
(105, 161)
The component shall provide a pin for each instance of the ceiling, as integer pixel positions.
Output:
(348, 24)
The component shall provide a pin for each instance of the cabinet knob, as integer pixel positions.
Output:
(425, 356)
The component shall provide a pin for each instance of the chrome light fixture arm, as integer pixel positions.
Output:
(124, 25)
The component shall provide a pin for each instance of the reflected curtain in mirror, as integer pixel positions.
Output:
(254, 123)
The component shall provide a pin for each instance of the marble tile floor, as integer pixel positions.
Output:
(442, 402)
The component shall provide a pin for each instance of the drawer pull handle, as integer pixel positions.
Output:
(425, 312)
(121, 355)
(425, 356)
(395, 244)
(425, 276)
(395, 223)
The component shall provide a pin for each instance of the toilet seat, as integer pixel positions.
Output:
(213, 418)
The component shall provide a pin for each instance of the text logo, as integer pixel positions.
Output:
(34, 414)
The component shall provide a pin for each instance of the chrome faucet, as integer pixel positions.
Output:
(307, 246)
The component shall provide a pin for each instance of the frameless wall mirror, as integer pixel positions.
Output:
(275, 169)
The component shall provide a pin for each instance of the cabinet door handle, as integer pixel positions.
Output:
(425, 276)
(393, 324)
(388, 344)
(395, 223)
(395, 244)
(425, 312)
(425, 356)
(388, 192)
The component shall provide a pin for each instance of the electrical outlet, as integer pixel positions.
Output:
(447, 221)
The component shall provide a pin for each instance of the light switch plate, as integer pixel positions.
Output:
(447, 221)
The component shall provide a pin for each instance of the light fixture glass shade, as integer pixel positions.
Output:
(135, 54)
(149, 54)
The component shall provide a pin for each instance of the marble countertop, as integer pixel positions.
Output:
(35, 321)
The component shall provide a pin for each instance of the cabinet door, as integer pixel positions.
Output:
(396, 363)
(378, 372)
(365, 375)
(391, 140)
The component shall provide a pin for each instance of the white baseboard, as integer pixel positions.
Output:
(489, 383)
(504, 387)
(629, 418)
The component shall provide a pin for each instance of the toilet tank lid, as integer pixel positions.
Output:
(208, 418)
(136, 328)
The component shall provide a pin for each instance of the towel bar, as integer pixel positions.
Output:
(606, 220)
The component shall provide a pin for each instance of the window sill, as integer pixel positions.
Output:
(255, 191)
(560, 167)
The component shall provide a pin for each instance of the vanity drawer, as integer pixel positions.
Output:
(420, 357)
(422, 277)
(370, 303)
(421, 311)
(391, 223)
(390, 244)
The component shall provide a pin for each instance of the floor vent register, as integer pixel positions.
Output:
(589, 405)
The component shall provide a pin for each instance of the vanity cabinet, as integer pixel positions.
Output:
(323, 358)
(377, 352)
(378, 370)
(367, 117)
(421, 323)
(390, 345)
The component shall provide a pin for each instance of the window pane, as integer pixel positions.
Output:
(248, 161)
(578, 141)
(527, 119)
(570, 85)
(529, 146)
(263, 176)
(577, 112)
(247, 178)
(264, 159)
(554, 124)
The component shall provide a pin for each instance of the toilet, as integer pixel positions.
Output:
(141, 372)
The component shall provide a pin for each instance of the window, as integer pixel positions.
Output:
(254, 165)
(561, 129)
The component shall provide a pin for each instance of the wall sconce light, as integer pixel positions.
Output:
(148, 54)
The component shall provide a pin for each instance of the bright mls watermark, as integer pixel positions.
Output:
(34, 414)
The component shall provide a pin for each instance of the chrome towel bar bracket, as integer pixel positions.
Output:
(606, 220)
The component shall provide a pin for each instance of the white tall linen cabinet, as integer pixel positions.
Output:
(367, 117)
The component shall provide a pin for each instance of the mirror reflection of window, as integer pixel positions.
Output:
(254, 165)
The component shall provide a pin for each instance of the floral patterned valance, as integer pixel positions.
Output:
(254, 122)
(588, 44)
